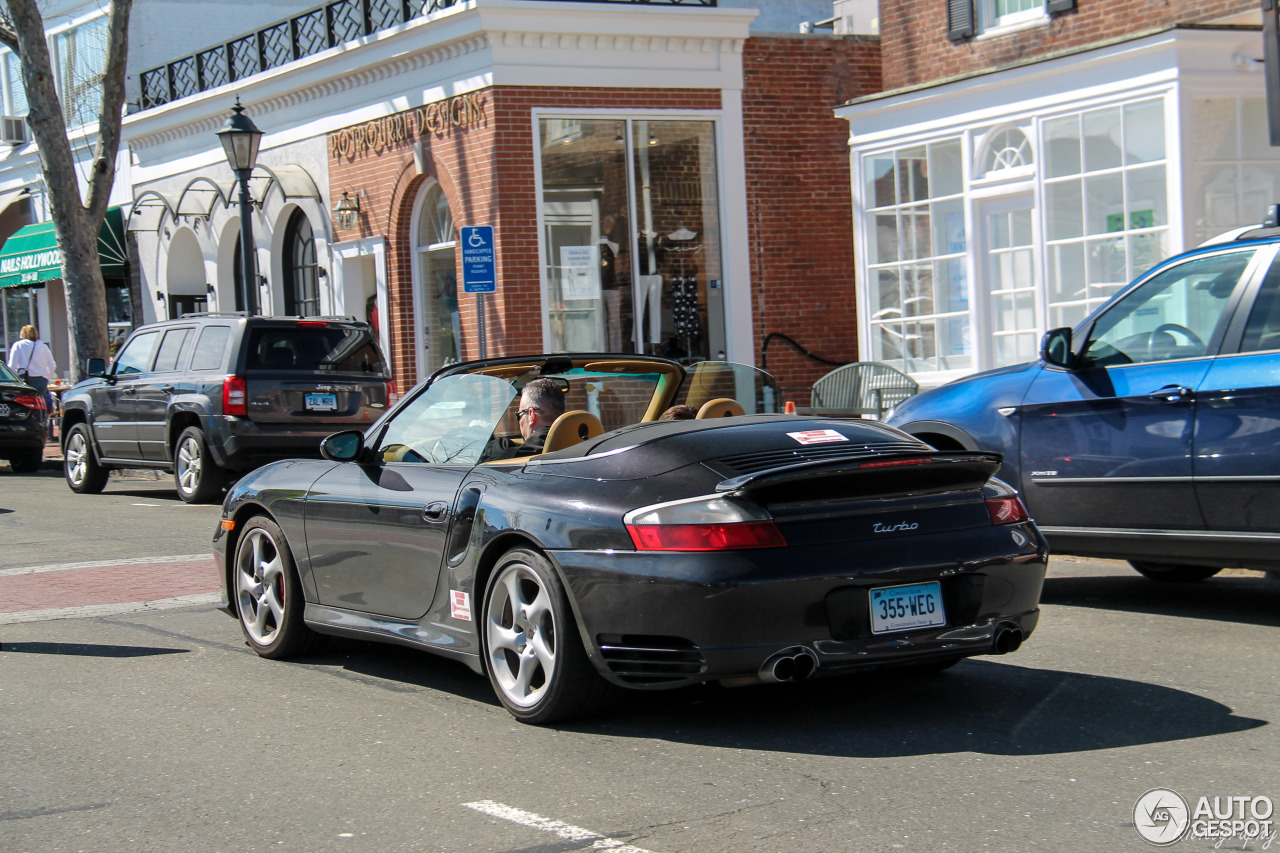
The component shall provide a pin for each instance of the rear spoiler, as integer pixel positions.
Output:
(896, 473)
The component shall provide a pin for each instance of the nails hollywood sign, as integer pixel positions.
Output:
(33, 261)
(461, 111)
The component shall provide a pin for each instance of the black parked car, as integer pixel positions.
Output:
(1151, 431)
(24, 422)
(210, 396)
(737, 548)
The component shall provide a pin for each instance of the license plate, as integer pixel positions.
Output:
(322, 402)
(905, 608)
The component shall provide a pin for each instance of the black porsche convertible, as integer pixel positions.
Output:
(740, 546)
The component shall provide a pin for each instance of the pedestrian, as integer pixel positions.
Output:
(32, 360)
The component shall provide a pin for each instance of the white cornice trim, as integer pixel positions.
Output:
(471, 45)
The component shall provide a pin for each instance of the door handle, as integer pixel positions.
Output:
(1171, 394)
(168, 389)
(130, 391)
(435, 512)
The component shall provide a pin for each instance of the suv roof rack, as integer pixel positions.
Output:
(349, 318)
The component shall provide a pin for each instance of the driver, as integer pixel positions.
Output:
(541, 402)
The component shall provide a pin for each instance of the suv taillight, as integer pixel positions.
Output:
(234, 400)
(393, 393)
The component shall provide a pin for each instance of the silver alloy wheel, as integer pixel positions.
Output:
(521, 627)
(260, 586)
(77, 456)
(189, 462)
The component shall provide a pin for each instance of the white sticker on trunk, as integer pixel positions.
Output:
(817, 436)
(459, 605)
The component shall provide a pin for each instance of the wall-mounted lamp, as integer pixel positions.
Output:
(159, 296)
(208, 288)
(347, 211)
(321, 272)
(653, 139)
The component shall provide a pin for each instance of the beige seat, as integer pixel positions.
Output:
(570, 429)
(721, 407)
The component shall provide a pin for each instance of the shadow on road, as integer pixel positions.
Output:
(1245, 599)
(980, 706)
(89, 650)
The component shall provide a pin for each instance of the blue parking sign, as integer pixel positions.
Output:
(478, 265)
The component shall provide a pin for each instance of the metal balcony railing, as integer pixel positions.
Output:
(303, 35)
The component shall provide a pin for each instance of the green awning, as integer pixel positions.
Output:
(32, 255)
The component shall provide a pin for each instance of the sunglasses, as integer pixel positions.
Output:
(520, 413)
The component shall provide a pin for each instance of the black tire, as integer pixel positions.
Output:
(1174, 572)
(533, 653)
(197, 477)
(268, 594)
(80, 463)
(28, 464)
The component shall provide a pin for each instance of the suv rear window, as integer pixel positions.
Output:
(333, 349)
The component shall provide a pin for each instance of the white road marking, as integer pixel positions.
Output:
(87, 611)
(99, 564)
(566, 831)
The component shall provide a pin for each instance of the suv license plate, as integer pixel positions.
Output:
(905, 608)
(322, 402)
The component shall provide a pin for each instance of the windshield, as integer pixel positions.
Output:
(755, 390)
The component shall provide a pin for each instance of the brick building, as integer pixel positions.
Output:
(1028, 158)
(659, 177)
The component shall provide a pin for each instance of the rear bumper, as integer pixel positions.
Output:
(242, 445)
(668, 619)
(22, 438)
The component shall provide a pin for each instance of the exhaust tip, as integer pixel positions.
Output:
(1007, 640)
(793, 664)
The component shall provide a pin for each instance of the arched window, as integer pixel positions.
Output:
(436, 240)
(301, 271)
(1005, 149)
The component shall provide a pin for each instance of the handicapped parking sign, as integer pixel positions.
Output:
(478, 275)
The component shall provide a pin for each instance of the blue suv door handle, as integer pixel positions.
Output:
(1171, 394)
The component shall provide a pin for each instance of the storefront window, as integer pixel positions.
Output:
(1105, 203)
(437, 282)
(916, 242)
(631, 214)
(19, 310)
(1236, 173)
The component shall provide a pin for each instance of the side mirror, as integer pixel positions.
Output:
(343, 446)
(1055, 348)
(95, 367)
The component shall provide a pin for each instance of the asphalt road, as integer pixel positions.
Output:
(160, 731)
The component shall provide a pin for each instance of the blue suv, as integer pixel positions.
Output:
(1151, 431)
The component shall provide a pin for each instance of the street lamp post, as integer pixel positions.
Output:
(240, 139)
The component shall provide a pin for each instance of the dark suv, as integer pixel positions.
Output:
(1151, 431)
(210, 396)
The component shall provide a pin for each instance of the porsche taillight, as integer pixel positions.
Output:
(234, 397)
(1006, 510)
(713, 523)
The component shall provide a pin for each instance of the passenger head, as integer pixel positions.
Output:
(541, 402)
(678, 413)
(29, 333)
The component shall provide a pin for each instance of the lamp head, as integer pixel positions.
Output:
(240, 140)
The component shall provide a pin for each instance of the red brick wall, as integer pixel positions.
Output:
(487, 173)
(916, 48)
(798, 198)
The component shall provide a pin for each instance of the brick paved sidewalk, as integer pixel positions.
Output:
(67, 590)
